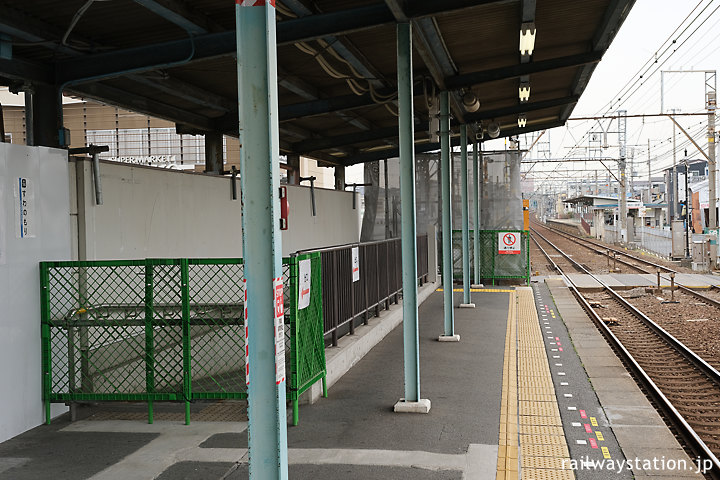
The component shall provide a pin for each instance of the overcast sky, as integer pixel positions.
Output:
(640, 39)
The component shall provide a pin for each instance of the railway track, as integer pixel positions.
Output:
(683, 386)
(633, 261)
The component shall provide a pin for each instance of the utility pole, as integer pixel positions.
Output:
(687, 207)
(649, 195)
(632, 172)
(710, 102)
(673, 210)
(597, 188)
(622, 137)
(710, 94)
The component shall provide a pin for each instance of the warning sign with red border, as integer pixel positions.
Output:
(509, 243)
(279, 330)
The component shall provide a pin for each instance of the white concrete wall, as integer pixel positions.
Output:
(335, 222)
(155, 213)
(20, 360)
(146, 213)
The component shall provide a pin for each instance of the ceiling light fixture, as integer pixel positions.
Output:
(524, 91)
(493, 129)
(522, 120)
(527, 38)
(470, 102)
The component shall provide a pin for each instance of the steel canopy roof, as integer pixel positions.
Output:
(337, 73)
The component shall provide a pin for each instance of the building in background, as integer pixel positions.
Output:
(137, 138)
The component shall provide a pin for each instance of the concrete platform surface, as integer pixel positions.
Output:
(530, 388)
(353, 434)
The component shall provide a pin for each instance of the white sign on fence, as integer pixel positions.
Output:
(305, 274)
(509, 243)
(355, 264)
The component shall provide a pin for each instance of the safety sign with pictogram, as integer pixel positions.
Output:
(509, 243)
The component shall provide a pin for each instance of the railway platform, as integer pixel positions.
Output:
(531, 391)
(636, 280)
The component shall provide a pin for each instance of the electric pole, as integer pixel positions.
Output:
(622, 137)
(649, 195)
(673, 210)
(710, 101)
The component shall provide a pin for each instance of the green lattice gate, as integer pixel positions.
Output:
(307, 349)
(159, 330)
(493, 266)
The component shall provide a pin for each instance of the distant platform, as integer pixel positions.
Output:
(624, 281)
(567, 221)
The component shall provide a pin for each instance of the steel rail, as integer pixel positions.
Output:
(696, 443)
(680, 286)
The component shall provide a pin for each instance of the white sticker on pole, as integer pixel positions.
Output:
(509, 243)
(305, 274)
(24, 208)
(247, 336)
(355, 264)
(279, 331)
(642, 210)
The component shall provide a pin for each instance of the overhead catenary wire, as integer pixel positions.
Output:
(688, 28)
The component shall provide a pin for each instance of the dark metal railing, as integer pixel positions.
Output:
(347, 303)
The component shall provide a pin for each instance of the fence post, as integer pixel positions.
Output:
(294, 362)
(527, 259)
(45, 338)
(494, 253)
(363, 280)
(85, 385)
(336, 302)
(377, 270)
(187, 374)
(149, 340)
(389, 272)
(352, 297)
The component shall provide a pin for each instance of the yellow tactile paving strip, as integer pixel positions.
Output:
(530, 417)
(508, 464)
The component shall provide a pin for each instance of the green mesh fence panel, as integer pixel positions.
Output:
(162, 330)
(307, 350)
(492, 264)
(216, 328)
(97, 342)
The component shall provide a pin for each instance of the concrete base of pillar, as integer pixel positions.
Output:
(467, 305)
(421, 406)
(477, 285)
(449, 338)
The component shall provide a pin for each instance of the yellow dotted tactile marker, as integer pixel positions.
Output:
(543, 449)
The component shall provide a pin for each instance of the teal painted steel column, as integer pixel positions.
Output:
(476, 207)
(407, 205)
(465, 215)
(259, 176)
(447, 273)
